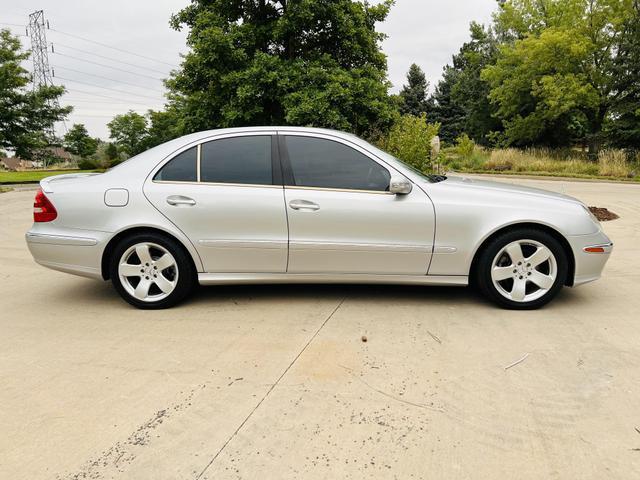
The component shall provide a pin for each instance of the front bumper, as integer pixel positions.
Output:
(68, 250)
(589, 264)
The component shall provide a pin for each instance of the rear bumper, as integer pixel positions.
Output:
(78, 252)
(588, 265)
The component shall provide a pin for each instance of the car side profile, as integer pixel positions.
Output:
(303, 205)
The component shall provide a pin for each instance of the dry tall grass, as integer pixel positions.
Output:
(611, 163)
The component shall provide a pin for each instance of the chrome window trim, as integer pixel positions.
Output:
(219, 184)
(329, 189)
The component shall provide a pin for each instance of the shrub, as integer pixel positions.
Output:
(87, 164)
(465, 147)
(410, 140)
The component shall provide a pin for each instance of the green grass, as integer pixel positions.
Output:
(33, 176)
(5, 189)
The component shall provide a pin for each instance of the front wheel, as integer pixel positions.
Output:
(151, 271)
(522, 269)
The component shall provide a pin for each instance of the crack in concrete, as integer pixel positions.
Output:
(270, 390)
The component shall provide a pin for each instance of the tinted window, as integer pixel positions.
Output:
(182, 168)
(317, 162)
(237, 160)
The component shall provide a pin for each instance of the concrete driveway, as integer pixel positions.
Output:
(276, 382)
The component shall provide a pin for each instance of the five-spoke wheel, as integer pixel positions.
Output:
(522, 269)
(150, 270)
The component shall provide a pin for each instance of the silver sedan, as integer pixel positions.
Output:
(291, 205)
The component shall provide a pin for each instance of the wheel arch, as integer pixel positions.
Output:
(108, 250)
(537, 226)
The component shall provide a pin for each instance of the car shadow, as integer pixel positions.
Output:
(410, 293)
(90, 292)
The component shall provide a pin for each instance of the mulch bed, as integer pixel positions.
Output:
(603, 214)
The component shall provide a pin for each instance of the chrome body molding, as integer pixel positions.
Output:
(275, 278)
(47, 239)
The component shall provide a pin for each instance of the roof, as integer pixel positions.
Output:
(13, 163)
(143, 163)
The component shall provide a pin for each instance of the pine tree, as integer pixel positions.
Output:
(414, 100)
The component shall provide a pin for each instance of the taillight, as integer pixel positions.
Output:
(43, 209)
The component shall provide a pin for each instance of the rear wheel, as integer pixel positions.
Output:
(522, 269)
(151, 271)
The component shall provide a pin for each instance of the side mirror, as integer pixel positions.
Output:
(400, 186)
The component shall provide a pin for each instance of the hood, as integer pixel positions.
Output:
(507, 188)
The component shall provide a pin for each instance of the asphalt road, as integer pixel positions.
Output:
(276, 382)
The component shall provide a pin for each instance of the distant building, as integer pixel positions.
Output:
(15, 164)
(60, 153)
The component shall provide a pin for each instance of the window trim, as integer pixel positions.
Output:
(276, 167)
(289, 180)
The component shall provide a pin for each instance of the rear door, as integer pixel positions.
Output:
(343, 219)
(226, 195)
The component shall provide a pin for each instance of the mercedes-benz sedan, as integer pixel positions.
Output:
(289, 205)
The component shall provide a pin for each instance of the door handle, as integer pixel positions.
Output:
(177, 200)
(304, 205)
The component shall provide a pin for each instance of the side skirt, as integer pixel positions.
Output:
(271, 278)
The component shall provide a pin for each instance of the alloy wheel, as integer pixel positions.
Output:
(148, 272)
(524, 270)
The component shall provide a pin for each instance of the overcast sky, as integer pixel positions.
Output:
(103, 82)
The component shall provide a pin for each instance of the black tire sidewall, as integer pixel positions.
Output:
(186, 276)
(484, 265)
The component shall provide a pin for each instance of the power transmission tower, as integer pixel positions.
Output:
(42, 75)
(39, 50)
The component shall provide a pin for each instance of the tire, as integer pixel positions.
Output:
(523, 279)
(151, 271)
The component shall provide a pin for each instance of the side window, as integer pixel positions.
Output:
(317, 162)
(181, 168)
(237, 160)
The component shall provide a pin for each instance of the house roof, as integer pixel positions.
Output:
(12, 163)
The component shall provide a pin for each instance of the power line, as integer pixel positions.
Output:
(113, 48)
(93, 102)
(107, 58)
(92, 94)
(107, 88)
(107, 66)
(105, 78)
(13, 24)
(97, 116)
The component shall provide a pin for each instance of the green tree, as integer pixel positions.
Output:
(623, 127)
(266, 62)
(414, 94)
(25, 115)
(554, 80)
(129, 132)
(78, 141)
(461, 97)
(447, 110)
(164, 125)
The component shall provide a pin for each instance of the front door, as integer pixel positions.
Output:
(342, 218)
(227, 197)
